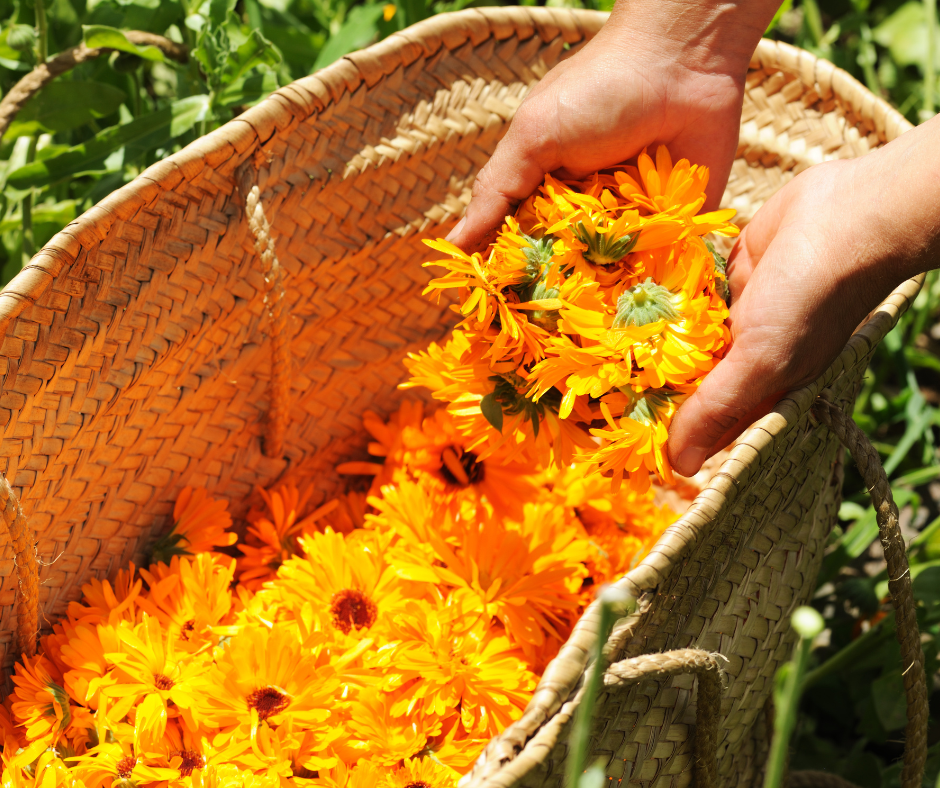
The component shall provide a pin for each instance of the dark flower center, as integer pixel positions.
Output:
(188, 628)
(351, 608)
(125, 767)
(268, 701)
(162, 682)
(461, 469)
(419, 784)
(192, 760)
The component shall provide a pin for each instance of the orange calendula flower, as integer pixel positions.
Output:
(200, 525)
(505, 573)
(273, 533)
(41, 704)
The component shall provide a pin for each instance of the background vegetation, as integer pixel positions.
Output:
(99, 125)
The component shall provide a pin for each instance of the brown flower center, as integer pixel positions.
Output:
(188, 628)
(351, 608)
(418, 784)
(162, 682)
(460, 468)
(125, 767)
(268, 701)
(192, 760)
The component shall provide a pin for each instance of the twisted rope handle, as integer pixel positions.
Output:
(278, 330)
(708, 704)
(899, 583)
(27, 567)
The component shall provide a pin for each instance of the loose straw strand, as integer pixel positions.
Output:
(27, 568)
(708, 703)
(902, 595)
(278, 330)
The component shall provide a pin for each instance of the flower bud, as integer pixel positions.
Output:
(21, 38)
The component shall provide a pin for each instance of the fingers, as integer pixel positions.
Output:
(730, 397)
(515, 170)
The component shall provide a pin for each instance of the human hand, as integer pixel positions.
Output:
(814, 261)
(658, 72)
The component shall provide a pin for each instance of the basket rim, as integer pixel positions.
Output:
(255, 129)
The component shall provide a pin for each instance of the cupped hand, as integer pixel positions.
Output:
(619, 94)
(813, 262)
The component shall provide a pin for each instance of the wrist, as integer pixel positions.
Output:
(698, 35)
(898, 194)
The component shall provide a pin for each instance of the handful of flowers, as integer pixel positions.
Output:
(596, 311)
(375, 641)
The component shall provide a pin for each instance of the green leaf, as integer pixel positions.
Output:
(492, 411)
(887, 693)
(360, 28)
(904, 33)
(255, 51)
(219, 11)
(59, 213)
(139, 135)
(104, 37)
(248, 90)
(62, 106)
(926, 581)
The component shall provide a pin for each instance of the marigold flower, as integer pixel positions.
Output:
(200, 525)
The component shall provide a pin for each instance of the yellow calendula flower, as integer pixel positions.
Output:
(115, 763)
(265, 676)
(152, 679)
(348, 581)
(190, 597)
(447, 662)
(422, 772)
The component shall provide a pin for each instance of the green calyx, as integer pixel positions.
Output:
(538, 254)
(649, 407)
(544, 318)
(643, 304)
(508, 398)
(605, 248)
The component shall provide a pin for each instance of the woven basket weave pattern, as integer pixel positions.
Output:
(134, 358)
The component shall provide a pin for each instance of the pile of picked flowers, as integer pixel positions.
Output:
(596, 312)
(379, 640)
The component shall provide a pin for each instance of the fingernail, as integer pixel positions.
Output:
(690, 461)
(456, 231)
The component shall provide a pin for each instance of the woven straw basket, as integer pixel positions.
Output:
(225, 319)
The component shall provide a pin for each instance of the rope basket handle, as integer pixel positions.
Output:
(899, 583)
(707, 708)
(705, 665)
(278, 328)
(27, 568)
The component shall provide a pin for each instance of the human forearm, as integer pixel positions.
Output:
(704, 35)
(898, 201)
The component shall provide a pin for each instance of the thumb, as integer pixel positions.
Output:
(515, 170)
(739, 390)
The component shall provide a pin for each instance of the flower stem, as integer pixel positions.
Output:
(614, 604)
(787, 690)
(42, 32)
